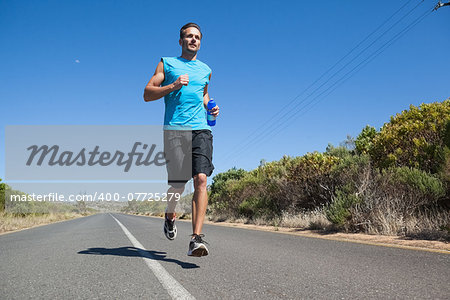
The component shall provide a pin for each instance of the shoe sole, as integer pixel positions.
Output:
(200, 251)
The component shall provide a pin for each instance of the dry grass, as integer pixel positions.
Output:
(11, 222)
(387, 216)
(314, 219)
(382, 218)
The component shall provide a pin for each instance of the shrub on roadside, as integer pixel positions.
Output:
(340, 151)
(338, 211)
(391, 182)
(218, 185)
(396, 198)
(415, 138)
(364, 141)
(353, 171)
(427, 188)
(252, 196)
(309, 182)
(219, 193)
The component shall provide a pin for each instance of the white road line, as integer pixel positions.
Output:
(173, 287)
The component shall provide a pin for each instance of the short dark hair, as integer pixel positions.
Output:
(187, 26)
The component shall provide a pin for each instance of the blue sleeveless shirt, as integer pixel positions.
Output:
(184, 107)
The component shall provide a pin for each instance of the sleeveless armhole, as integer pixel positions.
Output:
(163, 60)
(207, 77)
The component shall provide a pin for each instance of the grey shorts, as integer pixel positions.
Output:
(188, 153)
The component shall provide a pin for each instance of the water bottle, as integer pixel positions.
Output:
(210, 118)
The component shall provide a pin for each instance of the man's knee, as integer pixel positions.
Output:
(200, 181)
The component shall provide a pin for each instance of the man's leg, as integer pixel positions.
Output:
(171, 201)
(197, 246)
(199, 203)
(179, 170)
(170, 229)
(201, 167)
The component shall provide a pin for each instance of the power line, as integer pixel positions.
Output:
(360, 66)
(340, 81)
(261, 134)
(254, 138)
(332, 67)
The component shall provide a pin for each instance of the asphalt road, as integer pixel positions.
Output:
(95, 257)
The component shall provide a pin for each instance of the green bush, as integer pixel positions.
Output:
(277, 169)
(364, 141)
(415, 138)
(405, 191)
(340, 152)
(257, 206)
(423, 187)
(309, 182)
(338, 211)
(254, 195)
(237, 192)
(403, 168)
(400, 200)
(218, 185)
(290, 184)
(219, 195)
(351, 170)
(312, 165)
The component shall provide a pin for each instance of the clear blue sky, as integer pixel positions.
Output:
(87, 62)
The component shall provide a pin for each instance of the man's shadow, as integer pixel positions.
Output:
(137, 252)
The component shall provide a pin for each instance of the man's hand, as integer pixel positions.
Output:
(215, 111)
(182, 80)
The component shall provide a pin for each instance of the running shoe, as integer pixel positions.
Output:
(170, 229)
(197, 246)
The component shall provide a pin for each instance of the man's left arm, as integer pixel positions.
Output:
(215, 110)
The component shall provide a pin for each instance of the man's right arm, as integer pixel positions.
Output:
(154, 90)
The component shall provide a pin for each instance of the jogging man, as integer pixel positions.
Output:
(183, 82)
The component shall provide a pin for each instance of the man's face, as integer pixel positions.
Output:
(191, 40)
